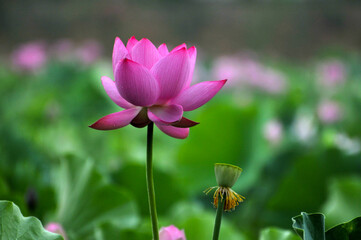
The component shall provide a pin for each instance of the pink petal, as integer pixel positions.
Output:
(116, 120)
(145, 53)
(172, 73)
(165, 114)
(163, 50)
(131, 43)
(135, 83)
(119, 52)
(171, 233)
(183, 45)
(185, 123)
(192, 52)
(112, 91)
(175, 132)
(199, 94)
(165, 235)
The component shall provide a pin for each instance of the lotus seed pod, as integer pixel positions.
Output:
(226, 174)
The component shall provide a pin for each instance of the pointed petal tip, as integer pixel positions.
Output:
(126, 61)
(115, 120)
(182, 49)
(198, 95)
(145, 40)
(185, 123)
(117, 40)
(96, 126)
(163, 50)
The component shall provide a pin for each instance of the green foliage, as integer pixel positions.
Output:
(86, 200)
(346, 231)
(132, 175)
(13, 225)
(277, 234)
(344, 200)
(198, 223)
(312, 227)
(45, 117)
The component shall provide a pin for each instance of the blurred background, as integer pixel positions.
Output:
(289, 115)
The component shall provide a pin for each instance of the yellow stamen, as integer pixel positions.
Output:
(232, 198)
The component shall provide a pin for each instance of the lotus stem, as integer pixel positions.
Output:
(150, 183)
(217, 223)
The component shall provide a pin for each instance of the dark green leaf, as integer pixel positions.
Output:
(310, 226)
(346, 231)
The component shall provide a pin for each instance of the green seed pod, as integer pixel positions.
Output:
(226, 174)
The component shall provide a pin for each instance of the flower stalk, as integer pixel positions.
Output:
(150, 183)
(217, 222)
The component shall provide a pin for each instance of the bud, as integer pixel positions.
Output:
(56, 228)
(226, 174)
(171, 233)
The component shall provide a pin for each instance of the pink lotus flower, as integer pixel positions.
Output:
(89, 52)
(331, 73)
(154, 85)
(329, 112)
(171, 233)
(29, 57)
(246, 71)
(63, 49)
(228, 67)
(56, 228)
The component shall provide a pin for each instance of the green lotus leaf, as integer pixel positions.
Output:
(347, 231)
(310, 226)
(86, 200)
(13, 225)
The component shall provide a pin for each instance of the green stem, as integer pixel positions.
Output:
(150, 183)
(217, 223)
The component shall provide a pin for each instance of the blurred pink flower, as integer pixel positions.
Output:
(154, 85)
(62, 49)
(329, 112)
(171, 233)
(56, 228)
(243, 71)
(228, 67)
(29, 57)
(272, 81)
(273, 131)
(331, 73)
(89, 52)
